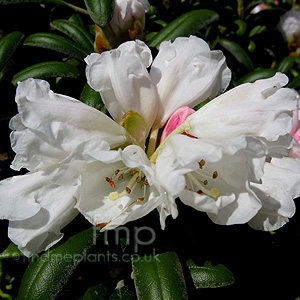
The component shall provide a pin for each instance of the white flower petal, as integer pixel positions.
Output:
(280, 185)
(18, 196)
(37, 210)
(186, 166)
(261, 109)
(121, 77)
(239, 211)
(42, 231)
(49, 126)
(186, 72)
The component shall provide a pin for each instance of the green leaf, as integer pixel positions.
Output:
(295, 83)
(101, 11)
(242, 27)
(55, 42)
(76, 19)
(76, 33)
(47, 70)
(8, 45)
(91, 97)
(209, 276)
(259, 29)
(46, 275)
(286, 64)
(255, 75)
(122, 293)
(56, 2)
(97, 292)
(238, 52)
(185, 25)
(159, 277)
(11, 251)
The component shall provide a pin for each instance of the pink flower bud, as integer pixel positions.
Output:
(176, 119)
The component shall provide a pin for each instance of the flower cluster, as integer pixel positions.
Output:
(230, 159)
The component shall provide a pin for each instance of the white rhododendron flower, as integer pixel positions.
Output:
(113, 170)
(126, 84)
(126, 10)
(127, 23)
(47, 130)
(289, 25)
(225, 169)
(80, 160)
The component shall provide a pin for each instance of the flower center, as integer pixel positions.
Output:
(198, 182)
(137, 179)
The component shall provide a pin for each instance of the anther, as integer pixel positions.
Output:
(138, 179)
(107, 179)
(128, 190)
(139, 200)
(117, 172)
(199, 192)
(132, 172)
(112, 184)
(205, 182)
(146, 182)
(215, 175)
(121, 176)
(201, 163)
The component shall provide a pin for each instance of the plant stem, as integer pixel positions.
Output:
(153, 139)
(76, 8)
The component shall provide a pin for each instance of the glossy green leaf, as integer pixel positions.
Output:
(159, 277)
(8, 45)
(209, 276)
(238, 52)
(295, 83)
(97, 292)
(46, 276)
(6, 68)
(122, 293)
(101, 11)
(11, 251)
(91, 97)
(82, 38)
(55, 42)
(242, 27)
(185, 25)
(255, 75)
(259, 29)
(56, 2)
(76, 19)
(47, 69)
(286, 64)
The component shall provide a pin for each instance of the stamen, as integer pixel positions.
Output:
(112, 184)
(133, 171)
(213, 192)
(201, 163)
(215, 175)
